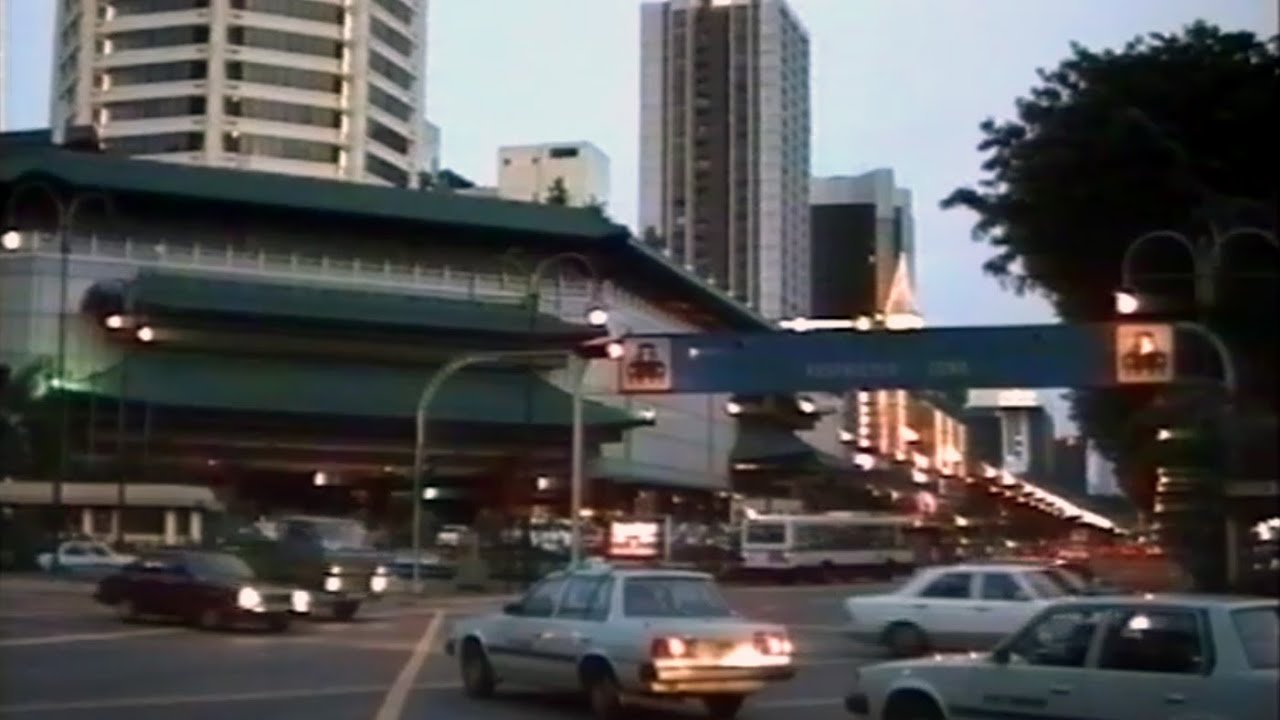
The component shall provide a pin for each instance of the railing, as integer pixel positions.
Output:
(566, 297)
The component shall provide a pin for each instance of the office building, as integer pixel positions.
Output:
(861, 229)
(429, 148)
(1011, 430)
(320, 89)
(579, 171)
(724, 145)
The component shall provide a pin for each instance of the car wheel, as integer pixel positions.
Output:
(127, 610)
(345, 611)
(477, 673)
(912, 707)
(723, 707)
(906, 640)
(603, 695)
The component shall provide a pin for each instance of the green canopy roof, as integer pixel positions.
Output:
(346, 389)
(777, 446)
(191, 293)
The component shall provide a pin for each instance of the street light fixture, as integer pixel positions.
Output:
(597, 317)
(11, 240)
(1127, 302)
(733, 408)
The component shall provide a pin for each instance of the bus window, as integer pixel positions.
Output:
(766, 533)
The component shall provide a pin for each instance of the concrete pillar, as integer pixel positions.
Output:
(170, 527)
(197, 526)
(86, 521)
(1232, 549)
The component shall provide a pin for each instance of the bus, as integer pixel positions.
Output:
(828, 546)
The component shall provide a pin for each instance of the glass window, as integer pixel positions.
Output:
(277, 75)
(601, 602)
(389, 103)
(302, 9)
(1049, 585)
(1001, 586)
(159, 72)
(389, 70)
(145, 7)
(1259, 633)
(284, 41)
(1057, 639)
(949, 586)
(380, 168)
(541, 600)
(766, 533)
(1154, 641)
(74, 550)
(399, 10)
(390, 37)
(579, 594)
(219, 565)
(667, 597)
(388, 137)
(159, 37)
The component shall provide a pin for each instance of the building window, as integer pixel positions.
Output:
(390, 37)
(301, 9)
(563, 152)
(159, 37)
(282, 112)
(397, 9)
(285, 148)
(380, 168)
(284, 41)
(387, 136)
(155, 108)
(155, 144)
(146, 7)
(283, 76)
(389, 103)
(390, 70)
(158, 73)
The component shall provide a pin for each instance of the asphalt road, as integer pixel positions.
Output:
(64, 658)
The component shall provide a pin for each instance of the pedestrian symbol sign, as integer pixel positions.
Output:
(1144, 354)
(645, 365)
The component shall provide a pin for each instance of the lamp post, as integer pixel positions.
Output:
(12, 241)
(1206, 254)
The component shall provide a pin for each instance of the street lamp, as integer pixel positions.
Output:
(11, 241)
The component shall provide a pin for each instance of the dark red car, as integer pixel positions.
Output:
(207, 589)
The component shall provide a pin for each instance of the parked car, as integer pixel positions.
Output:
(966, 606)
(212, 590)
(82, 557)
(609, 632)
(1177, 657)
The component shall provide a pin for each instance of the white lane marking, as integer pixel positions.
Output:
(85, 637)
(393, 703)
(213, 698)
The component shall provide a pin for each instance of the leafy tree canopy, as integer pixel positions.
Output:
(557, 192)
(1173, 131)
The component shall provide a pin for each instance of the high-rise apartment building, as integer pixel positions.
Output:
(306, 87)
(529, 172)
(724, 145)
(861, 230)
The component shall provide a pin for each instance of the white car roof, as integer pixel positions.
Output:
(1223, 602)
(602, 568)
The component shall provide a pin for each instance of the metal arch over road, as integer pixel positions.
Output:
(1087, 355)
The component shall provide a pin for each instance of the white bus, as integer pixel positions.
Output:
(828, 546)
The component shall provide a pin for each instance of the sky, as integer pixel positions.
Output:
(895, 83)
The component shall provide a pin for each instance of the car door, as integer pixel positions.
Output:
(168, 585)
(943, 608)
(512, 642)
(1003, 604)
(576, 626)
(1040, 672)
(1158, 661)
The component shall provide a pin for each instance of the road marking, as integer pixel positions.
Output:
(165, 700)
(85, 637)
(393, 704)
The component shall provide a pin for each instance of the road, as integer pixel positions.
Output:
(63, 658)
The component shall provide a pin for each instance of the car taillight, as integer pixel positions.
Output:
(773, 644)
(668, 647)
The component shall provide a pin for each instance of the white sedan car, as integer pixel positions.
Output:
(970, 606)
(615, 634)
(82, 555)
(1114, 658)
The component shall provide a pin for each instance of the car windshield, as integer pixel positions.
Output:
(766, 533)
(1046, 584)
(220, 565)
(1259, 633)
(657, 597)
(1066, 580)
(341, 534)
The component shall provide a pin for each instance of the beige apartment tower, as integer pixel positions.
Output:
(320, 88)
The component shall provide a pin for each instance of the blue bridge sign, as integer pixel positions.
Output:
(836, 361)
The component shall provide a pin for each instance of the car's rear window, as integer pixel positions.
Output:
(1046, 585)
(766, 533)
(1259, 633)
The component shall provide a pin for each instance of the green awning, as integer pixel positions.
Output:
(633, 472)
(190, 293)
(345, 389)
(778, 446)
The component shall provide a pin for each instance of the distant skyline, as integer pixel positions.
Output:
(895, 83)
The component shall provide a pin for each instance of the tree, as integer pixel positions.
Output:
(557, 193)
(28, 434)
(1173, 131)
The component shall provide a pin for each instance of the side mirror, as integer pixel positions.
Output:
(1000, 656)
(511, 609)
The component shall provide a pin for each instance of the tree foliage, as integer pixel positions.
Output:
(1173, 131)
(28, 431)
(557, 192)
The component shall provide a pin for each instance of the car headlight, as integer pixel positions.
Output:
(300, 601)
(248, 598)
(378, 583)
(335, 569)
(380, 570)
(332, 583)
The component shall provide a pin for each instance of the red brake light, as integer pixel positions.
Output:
(669, 647)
